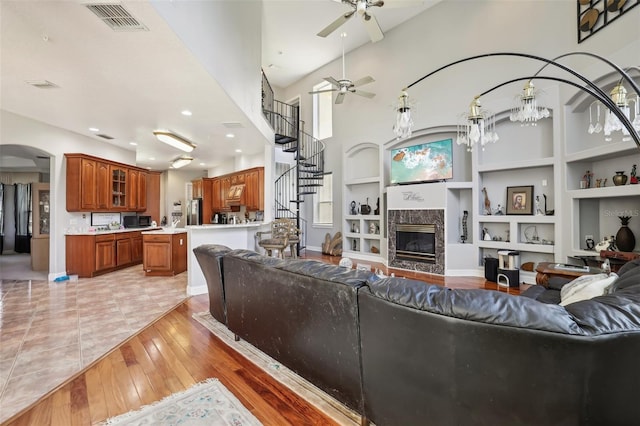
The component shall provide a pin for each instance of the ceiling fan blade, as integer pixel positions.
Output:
(362, 93)
(364, 80)
(392, 4)
(323, 91)
(336, 24)
(371, 24)
(340, 97)
(332, 81)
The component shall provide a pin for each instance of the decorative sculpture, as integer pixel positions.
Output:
(464, 236)
(487, 203)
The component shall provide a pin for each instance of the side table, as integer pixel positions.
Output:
(546, 270)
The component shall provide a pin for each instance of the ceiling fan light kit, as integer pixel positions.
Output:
(344, 85)
(174, 140)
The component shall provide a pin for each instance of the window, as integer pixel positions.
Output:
(323, 203)
(322, 111)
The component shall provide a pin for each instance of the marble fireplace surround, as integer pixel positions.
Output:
(417, 217)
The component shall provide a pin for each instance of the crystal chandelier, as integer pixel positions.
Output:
(404, 122)
(527, 110)
(477, 127)
(613, 123)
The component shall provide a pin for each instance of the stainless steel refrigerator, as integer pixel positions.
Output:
(194, 212)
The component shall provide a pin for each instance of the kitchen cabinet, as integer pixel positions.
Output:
(196, 188)
(123, 249)
(41, 225)
(118, 187)
(136, 247)
(103, 184)
(132, 189)
(105, 250)
(217, 204)
(98, 185)
(225, 185)
(253, 196)
(88, 255)
(164, 253)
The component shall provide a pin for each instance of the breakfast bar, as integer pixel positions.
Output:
(236, 236)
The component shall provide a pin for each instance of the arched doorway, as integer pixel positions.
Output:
(24, 212)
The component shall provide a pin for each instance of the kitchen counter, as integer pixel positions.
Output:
(163, 231)
(239, 236)
(110, 231)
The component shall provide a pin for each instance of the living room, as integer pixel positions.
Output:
(414, 49)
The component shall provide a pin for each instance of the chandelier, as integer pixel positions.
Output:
(404, 122)
(477, 127)
(527, 110)
(613, 123)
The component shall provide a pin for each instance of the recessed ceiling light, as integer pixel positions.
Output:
(238, 150)
(133, 143)
(230, 135)
(152, 158)
(202, 164)
(186, 112)
(94, 129)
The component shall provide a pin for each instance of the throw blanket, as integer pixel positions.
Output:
(586, 287)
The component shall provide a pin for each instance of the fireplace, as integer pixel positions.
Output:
(416, 242)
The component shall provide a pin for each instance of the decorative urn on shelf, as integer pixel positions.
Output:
(620, 178)
(625, 240)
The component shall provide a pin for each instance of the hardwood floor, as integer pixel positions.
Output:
(176, 352)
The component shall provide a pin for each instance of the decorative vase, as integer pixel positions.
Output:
(625, 240)
(620, 179)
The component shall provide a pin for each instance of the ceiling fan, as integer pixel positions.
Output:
(370, 21)
(344, 85)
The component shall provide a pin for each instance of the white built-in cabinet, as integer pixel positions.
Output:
(363, 234)
(595, 211)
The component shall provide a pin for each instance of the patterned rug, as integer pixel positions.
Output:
(315, 396)
(207, 403)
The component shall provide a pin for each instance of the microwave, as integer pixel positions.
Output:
(136, 221)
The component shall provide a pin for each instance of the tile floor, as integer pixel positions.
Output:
(50, 331)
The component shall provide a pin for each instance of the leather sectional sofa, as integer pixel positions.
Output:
(403, 352)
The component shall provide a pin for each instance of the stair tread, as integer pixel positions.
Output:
(307, 192)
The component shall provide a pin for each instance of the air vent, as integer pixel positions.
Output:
(42, 84)
(232, 125)
(116, 17)
(103, 136)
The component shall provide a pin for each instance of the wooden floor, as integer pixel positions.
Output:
(176, 352)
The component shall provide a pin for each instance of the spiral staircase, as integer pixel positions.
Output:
(307, 173)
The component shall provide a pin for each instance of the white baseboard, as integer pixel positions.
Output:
(194, 291)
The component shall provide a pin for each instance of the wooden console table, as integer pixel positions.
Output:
(546, 270)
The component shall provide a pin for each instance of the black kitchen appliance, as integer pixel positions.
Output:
(136, 221)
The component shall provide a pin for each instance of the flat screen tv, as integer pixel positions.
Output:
(426, 162)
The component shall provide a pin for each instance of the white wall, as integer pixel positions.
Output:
(227, 39)
(19, 130)
(449, 31)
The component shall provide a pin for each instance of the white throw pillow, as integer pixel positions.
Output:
(586, 287)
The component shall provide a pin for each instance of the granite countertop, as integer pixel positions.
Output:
(167, 230)
(225, 226)
(93, 231)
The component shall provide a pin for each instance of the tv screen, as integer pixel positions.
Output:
(427, 162)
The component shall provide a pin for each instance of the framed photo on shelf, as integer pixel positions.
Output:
(520, 200)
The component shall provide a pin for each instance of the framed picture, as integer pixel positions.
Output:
(520, 199)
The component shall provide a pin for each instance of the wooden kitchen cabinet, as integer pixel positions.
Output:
(98, 185)
(217, 203)
(196, 188)
(103, 185)
(253, 196)
(91, 255)
(136, 247)
(118, 187)
(124, 249)
(105, 252)
(164, 254)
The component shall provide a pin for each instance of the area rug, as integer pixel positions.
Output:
(206, 403)
(305, 389)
